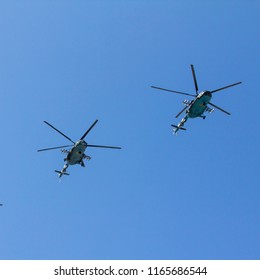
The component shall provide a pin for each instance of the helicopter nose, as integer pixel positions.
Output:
(208, 93)
(84, 143)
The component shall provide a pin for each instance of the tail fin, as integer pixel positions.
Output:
(61, 173)
(177, 127)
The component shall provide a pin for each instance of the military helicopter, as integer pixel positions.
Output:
(76, 154)
(198, 106)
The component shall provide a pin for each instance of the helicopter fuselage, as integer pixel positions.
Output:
(199, 105)
(76, 154)
(196, 107)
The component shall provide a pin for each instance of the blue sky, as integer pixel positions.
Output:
(190, 196)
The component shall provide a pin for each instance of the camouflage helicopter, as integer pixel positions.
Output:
(199, 105)
(76, 154)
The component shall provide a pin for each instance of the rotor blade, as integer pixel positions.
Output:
(194, 78)
(226, 87)
(59, 132)
(98, 146)
(184, 93)
(89, 130)
(182, 111)
(219, 108)
(47, 149)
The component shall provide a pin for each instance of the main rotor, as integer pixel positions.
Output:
(197, 94)
(82, 138)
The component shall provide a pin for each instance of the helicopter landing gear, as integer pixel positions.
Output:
(84, 157)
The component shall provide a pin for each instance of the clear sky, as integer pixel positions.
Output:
(191, 196)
